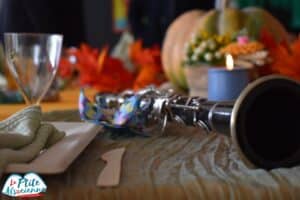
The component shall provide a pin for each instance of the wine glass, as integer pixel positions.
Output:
(33, 59)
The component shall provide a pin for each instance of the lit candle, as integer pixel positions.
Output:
(226, 84)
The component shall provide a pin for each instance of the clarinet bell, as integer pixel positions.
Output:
(265, 123)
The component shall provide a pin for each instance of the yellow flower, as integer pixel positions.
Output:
(219, 39)
(204, 35)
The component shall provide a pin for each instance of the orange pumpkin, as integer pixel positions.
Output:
(227, 21)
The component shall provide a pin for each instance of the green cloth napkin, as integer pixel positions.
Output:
(23, 135)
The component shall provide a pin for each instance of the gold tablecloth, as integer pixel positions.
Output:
(183, 164)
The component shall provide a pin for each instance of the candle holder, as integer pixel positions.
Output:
(226, 85)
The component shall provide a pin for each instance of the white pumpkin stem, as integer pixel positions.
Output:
(221, 4)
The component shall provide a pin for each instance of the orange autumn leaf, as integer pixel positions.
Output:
(267, 39)
(96, 68)
(135, 50)
(148, 76)
(284, 56)
(65, 68)
(67, 63)
(101, 58)
(285, 59)
(101, 71)
(148, 64)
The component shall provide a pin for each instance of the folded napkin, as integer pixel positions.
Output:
(23, 135)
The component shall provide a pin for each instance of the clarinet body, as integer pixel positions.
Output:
(260, 121)
(209, 115)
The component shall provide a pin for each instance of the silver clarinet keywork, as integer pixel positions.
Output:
(260, 122)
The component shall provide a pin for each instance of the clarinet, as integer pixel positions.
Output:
(265, 106)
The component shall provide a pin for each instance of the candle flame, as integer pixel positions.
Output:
(229, 62)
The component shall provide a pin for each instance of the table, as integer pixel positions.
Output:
(185, 163)
(68, 100)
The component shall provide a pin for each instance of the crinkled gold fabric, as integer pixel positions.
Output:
(183, 164)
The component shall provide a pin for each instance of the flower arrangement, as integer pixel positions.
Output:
(247, 53)
(263, 54)
(211, 50)
(205, 49)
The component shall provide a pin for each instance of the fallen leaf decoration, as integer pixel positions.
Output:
(148, 65)
(97, 69)
(284, 56)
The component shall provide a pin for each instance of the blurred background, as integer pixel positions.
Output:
(93, 21)
(124, 39)
(100, 22)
